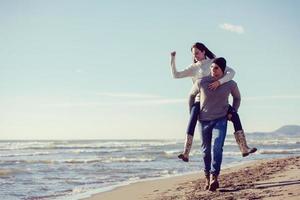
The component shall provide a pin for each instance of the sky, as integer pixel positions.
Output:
(73, 69)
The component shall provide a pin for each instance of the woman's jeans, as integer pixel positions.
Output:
(195, 109)
(207, 129)
(235, 119)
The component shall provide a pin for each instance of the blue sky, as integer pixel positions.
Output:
(100, 70)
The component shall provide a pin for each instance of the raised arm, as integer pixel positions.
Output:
(236, 97)
(188, 72)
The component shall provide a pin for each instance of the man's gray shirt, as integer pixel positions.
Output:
(214, 103)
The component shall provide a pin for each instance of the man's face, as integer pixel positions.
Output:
(216, 71)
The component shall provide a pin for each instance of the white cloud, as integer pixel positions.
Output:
(152, 102)
(159, 102)
(233, 28)
(119, 99)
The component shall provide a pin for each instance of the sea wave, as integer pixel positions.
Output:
(232, 153)
(168, 172)
(126, 159)
(175, 153)
(13, 162)
(280, 151)
(171, 152)
(49, 145)
(104, 150)
(86, 165)
(266, 141)
(78, 161)
(274, 142)
(25, 154)
(6, 172)
(24, 145)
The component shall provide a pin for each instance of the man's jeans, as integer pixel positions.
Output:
(207, 128)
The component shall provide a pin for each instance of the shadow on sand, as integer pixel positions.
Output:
(261, 186)
(276, 184)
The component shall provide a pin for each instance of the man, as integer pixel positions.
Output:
(213, 118)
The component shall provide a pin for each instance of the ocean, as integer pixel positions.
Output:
(31, 170)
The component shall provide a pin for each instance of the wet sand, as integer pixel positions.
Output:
(263, 179)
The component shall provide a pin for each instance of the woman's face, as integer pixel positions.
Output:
(198, 55)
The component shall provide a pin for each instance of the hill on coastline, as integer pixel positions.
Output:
(284, 131)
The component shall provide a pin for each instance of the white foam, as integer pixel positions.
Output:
(279, 151)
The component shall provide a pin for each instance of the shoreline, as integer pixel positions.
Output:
(112, 188)
(188, 186)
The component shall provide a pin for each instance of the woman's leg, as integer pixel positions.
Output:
(190, 132)
(193, 118)
(239, 133)
(235, 119)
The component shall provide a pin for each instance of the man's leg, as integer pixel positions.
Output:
(206, 136)
(219, 129)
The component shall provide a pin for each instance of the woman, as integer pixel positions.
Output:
(200, 68)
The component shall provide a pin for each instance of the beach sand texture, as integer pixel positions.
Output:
(264, 179)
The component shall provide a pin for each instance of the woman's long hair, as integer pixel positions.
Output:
(202, 47)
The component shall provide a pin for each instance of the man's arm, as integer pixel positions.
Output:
(228, 75)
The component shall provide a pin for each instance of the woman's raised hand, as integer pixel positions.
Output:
(173, 53)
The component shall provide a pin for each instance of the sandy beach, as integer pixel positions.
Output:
(263, 179)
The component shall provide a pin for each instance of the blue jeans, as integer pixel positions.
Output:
(219, 127)
(235, 119)
(195, 109)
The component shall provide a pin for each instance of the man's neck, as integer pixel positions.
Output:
(215, 78)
